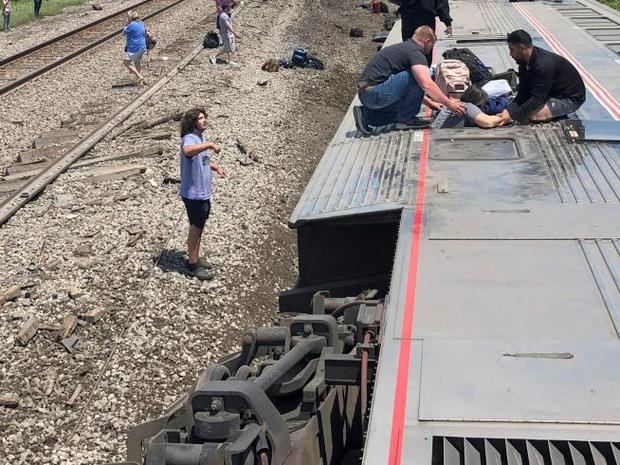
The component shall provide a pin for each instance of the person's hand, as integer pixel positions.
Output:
(504, 118)
(215, 147)
(435, 105)
(456, 106)
(219, 170)
(449, 31)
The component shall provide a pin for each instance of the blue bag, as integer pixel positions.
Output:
(299, 57)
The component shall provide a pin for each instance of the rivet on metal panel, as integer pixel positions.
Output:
(442, 188)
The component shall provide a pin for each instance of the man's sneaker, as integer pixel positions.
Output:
(202, 262)
(360, 121)
(199, 272)
(417, 123)
(213, 59)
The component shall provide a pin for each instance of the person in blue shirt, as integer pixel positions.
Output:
(196, 167)
(135, 35)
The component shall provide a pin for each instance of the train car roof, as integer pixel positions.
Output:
(501, 340)
(359, 175)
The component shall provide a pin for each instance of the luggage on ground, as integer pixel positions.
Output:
(497, 87)
(211, 40)
(478, 72)
(299, 57)
(509, 75)
(452, 77)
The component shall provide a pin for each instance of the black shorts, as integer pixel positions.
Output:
(197, 211)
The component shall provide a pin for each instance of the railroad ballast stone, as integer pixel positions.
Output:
(160, 327)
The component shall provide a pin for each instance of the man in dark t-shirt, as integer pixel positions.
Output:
(549, 85)
(394, 84)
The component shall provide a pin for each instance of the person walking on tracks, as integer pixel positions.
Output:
(416, 13)
(6, 14)
(224, 23)
(196, 167)
(393, 85)
(135, 34)
(549, 85)
(37, 8)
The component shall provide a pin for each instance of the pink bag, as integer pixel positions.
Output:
(452, 77)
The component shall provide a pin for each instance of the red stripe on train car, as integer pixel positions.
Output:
(404, 356)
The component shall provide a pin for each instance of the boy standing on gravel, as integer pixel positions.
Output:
(228, 34)
(196, 167)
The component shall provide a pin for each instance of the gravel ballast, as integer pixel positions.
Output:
(120, 244)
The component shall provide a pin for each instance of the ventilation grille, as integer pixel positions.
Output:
(600, 27)
(479, 451)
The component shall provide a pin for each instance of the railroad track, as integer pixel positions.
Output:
(26, 65)
(35, 169)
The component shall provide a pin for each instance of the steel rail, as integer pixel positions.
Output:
(56, 40)
(37, 184)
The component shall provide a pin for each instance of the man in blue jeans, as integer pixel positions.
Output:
(394, 84)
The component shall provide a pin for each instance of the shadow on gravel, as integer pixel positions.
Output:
(171, 261)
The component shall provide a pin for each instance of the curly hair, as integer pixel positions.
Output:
(189, 120)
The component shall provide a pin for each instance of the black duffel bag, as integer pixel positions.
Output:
(211, 40)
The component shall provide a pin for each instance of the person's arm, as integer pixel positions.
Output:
(194, 149)
(422, 76)
(230, 28)
(218, 169)
(431, 104)
(542, 78)
(443, 11)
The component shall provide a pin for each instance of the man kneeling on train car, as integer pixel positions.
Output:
(394, 84)
(549, 85)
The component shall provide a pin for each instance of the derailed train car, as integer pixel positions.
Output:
(458, 298)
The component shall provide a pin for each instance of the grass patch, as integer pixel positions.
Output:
(22, 11)
(615, 4)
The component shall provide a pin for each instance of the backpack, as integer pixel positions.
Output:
(313, 62)
(299, 57)
(478, 72)
(211, 40)
(271, 66)
(509, 75)
(452, 77)
(151, 41)
(356, 32)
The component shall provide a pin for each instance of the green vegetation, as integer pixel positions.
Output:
(22, 11)
(612, 3)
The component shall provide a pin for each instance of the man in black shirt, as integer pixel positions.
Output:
(549, 85)
(416, 13)
(393, 85)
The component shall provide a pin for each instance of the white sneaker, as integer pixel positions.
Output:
(212, 59)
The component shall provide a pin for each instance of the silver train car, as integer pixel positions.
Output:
(458, 297)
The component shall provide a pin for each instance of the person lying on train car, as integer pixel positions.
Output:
(393, 85)
(474, 99)
(549, 85)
